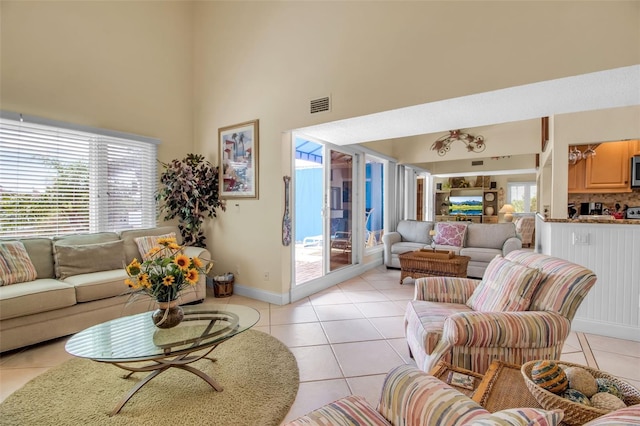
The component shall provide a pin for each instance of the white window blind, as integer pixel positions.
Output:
(57, 178)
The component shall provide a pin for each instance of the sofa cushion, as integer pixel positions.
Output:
(129, 237)
(425, 321)
(40, 252)
(415, 231)
(480, 254)
(348, 411)
(506, 286)
(450, 233)
(34, 297)
(489, 235)
(15, 264)
(399, 248)
(525, 416)
(79, 259)
(146, 243)
(99, 285)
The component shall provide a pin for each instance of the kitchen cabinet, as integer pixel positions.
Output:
(606, 172)
(609, 168)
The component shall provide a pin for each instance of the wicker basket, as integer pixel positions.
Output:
(576, 413)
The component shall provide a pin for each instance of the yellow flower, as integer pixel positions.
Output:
(133, 268)
(182, 261)
(153, 251)
(168, 280)
(166, 241)
(192, 276)
(197, 262)
(129, 283)
(143, 280)
(174, 246)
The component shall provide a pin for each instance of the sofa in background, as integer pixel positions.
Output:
(411, 397)
(480, 241)
(521, 311)
(79, 283)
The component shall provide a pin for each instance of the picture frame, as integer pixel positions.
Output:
(239, 159)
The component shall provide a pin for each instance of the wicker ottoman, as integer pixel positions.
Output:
(432, 263)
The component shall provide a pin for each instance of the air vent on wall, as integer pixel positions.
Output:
(477, 163)
(320, 105)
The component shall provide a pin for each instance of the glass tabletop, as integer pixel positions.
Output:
(136, 338)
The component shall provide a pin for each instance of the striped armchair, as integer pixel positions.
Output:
(521, 311)
(525, 229)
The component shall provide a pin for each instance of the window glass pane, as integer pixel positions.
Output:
(374, 201)
(55, 181)
(522, 196)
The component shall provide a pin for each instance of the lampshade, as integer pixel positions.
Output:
(507, 209)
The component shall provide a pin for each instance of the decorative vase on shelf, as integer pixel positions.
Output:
(489, 211)
(168, 314)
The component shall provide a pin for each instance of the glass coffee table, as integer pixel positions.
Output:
(135, 344)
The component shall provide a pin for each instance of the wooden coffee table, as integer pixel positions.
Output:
(135, 344)
(432, 263)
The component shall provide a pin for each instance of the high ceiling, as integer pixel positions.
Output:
(619, 87)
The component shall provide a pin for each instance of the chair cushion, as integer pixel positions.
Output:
(623, 416)
(506, 286)
(15, 264)
(450, 233)
(519, 417)
(425, 321)
(348, 411)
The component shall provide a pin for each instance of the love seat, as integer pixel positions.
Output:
(480, 241)
(79, 282)
(521, 311)
(411, 397)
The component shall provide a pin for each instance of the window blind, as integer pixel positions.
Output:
(57, 178)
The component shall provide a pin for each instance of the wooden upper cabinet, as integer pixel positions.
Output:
(609, 168)
(634, 147)
(576, 178)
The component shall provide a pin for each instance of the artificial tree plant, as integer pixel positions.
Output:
(189, 191)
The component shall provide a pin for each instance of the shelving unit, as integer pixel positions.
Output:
(489, 200)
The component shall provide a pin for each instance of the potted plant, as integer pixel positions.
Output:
(189, 191)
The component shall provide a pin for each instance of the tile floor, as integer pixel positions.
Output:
(345, 339)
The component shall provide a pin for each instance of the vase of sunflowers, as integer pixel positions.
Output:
(165, 272)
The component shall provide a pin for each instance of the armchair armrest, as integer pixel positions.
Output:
(445, 289)
(200, 252)
(511, 244)
(527, 329)
(409, 393)
(391, 238)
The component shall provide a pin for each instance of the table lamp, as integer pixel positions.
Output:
(432, 234)
(507, 209)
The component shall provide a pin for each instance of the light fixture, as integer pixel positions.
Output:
(473, 143)
(576, 155)
(507, 209)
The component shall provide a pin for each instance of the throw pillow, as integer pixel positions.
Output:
(15, 264)
(450, 234)
(73, 260)
(519, 417)
(506, 286)
(145, 244)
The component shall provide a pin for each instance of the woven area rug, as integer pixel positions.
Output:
(258, 373)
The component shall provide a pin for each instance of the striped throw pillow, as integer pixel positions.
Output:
(147, 243)
(15, 264)
(506, 286)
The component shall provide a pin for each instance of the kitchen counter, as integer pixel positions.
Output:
(597, 220)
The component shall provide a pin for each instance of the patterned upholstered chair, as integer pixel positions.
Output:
(525, 228)
(521, 310)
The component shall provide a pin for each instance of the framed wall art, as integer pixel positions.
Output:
(239, 160)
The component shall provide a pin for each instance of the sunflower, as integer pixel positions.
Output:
(197, 262)
(168, 280)
(165, 241)
(182, 261)
(192, 276)
(153, 251)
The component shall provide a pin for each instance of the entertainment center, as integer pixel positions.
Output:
(467, 199)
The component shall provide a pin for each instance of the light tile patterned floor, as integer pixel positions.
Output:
(345, 339)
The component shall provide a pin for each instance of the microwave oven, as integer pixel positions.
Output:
(635, 171)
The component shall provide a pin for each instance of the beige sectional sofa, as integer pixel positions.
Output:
(481, 242)
(80, 282)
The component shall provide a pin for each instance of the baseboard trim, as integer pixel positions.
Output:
(606, 329)
(306, 289)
